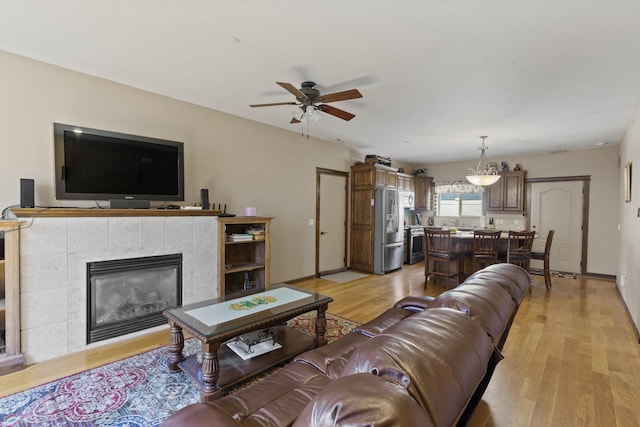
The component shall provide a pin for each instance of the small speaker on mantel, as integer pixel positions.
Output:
(27, 193)
(204, 198)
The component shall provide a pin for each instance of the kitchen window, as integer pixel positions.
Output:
(458, 199)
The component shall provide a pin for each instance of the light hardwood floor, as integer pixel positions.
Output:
(571, 359)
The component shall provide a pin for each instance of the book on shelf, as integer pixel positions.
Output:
(239, 237)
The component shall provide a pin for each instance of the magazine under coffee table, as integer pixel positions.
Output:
(214, 322)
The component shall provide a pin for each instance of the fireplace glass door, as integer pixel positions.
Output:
(129, 295)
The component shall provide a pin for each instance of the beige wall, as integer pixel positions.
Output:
(242, 163)
(601, 164)
(629, 217)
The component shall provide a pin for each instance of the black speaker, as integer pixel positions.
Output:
(129, 204)
(204, 198)
(27, 193)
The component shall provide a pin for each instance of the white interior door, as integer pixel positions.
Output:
(558, 206)
(332, 223)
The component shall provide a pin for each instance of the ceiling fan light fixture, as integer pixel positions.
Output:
(298, 113)
(483, 175)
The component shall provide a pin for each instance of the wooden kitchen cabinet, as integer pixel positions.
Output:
(424, 192)
(244, 264)
(365, 178)
(370, 175)
(362, 229)
(11, 358)
(406, 182)
(507, 194)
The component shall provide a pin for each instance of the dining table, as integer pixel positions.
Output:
(462, 243)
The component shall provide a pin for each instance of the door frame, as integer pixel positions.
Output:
(586, 186)
(345, 175)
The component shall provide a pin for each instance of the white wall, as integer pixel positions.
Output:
(629, 217)
(601, 164)
(242, 163)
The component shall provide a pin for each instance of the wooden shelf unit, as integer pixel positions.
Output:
(243, 260)
(11, 358)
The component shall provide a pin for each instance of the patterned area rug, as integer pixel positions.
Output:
(540, 272)
(135, 392)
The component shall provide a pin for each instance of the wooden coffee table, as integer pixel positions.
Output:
(217, 321)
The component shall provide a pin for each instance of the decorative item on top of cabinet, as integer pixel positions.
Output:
(507, 194)
(244, 255)
(424, 190)
(10, 357)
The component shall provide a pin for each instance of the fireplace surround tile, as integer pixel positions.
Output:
(124, 234)
(54, 255)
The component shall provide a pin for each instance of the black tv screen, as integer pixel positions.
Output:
(93, 164)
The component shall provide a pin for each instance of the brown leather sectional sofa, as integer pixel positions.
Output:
(423, 362)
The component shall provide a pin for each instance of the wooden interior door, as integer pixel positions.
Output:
(331, 224)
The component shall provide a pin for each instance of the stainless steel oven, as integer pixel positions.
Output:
(415, 242)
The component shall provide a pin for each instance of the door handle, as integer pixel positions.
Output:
(322, 233)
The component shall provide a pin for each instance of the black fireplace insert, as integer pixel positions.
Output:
(129, 295)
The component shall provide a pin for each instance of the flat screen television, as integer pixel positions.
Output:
(93, 164)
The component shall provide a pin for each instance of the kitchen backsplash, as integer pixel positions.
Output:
(504, 222)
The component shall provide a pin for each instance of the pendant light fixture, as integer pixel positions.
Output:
(483, 175)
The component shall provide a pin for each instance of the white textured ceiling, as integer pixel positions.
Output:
(534, 76)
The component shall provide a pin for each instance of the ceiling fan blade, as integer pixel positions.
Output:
(336, 112)
(340, 96)
(273, 103)
(292, 89)
(294, 121)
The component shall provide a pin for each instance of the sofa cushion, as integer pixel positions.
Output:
(330, 359)
(512, 278)
(363, 400)
(490, 306)
(275, 401)
(389, 318)
(439, 355)
(200, 415)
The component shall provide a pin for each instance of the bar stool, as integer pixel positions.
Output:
(544, 257)
(438, 251)
(485, 248)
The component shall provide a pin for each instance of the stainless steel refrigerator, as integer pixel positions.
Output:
(388, 234)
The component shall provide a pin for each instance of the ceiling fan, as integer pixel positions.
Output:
(309, 99)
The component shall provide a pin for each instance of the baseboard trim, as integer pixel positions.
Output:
(626, 309)
(301, 279)
(601, 276)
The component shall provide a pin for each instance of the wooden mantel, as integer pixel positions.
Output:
(54, 212)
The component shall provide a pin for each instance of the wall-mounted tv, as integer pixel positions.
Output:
(94, 164)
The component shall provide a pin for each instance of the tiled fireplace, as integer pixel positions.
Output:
(55, 253)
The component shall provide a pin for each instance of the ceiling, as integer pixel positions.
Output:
(535, 76)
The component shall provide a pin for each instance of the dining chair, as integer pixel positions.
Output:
(485, 248)
(439, 256)
(519, 248)
(544, 257)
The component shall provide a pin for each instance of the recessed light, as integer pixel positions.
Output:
(600, 144)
